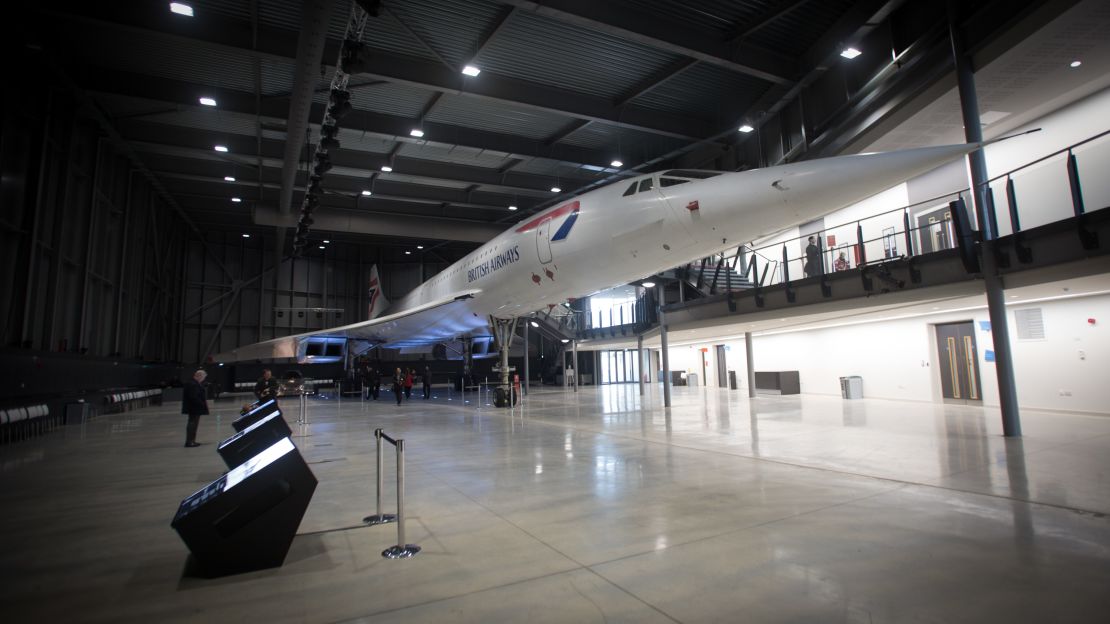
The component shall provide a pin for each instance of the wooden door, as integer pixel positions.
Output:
(959, 362)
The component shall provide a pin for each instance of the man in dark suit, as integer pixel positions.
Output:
(194, 404)
(267, 387)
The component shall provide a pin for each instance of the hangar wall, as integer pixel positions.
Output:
(93, 249)
(897, 358)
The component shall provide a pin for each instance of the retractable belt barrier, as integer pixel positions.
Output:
(401, 550)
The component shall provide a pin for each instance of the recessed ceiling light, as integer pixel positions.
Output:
(419, 246)
(850, 53)
(387, 168)
(236, 200)
(1075, 63)
(471, 70)
(566, 339)
(416, 132)
(648, 284)
(616, 163)
(366, 193)
(534, 324)
(556, 189)
(181, 9)
(322, 247)
(220, 148)
(207, 101)
(512, 207)
(327, 242)
(745, 128)
(408, 253)
(246, 236)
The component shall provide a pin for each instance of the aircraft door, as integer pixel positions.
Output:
(543, 241)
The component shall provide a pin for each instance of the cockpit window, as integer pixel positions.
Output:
(695, 174)
(645, 185)
(631, 190)
(664, 182)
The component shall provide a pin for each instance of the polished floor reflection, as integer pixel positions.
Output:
(596, 506)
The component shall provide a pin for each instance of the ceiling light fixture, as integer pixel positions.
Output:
(408, 253)
(229, 179)
(366, 193)
(616, 163)
(246, 236)
(416, 132)
(387, 168)
(236, 200)
(207, 101)
(850, 53)
(565, 340)
(648, 284)
(534, 324)
(181, 9)
(322, 247)
(1074, 64)
(512, 207)
(220, 148)
(556, 189)
(419, 246)
(745, 129)
(471, 70)
(327, 242)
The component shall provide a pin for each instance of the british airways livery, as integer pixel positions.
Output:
(611, 236)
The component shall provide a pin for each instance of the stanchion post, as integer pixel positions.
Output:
(379, 518)
(401, 550)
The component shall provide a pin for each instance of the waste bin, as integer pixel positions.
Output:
(851, 387)
(691, 379)
(77, 413)
(732, 380)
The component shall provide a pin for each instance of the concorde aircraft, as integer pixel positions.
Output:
(610, 236)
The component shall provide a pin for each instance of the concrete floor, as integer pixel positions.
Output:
(588, 509)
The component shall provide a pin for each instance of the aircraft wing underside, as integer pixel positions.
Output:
(446, 319)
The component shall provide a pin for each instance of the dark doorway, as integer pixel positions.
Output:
(722, 366)
(935, 230)
(959, 362)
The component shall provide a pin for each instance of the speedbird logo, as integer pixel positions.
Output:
(569, 210)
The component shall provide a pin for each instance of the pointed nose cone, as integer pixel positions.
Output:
(833, 183)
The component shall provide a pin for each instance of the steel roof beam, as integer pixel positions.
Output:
(238, 144)
(664, 35)
(280, 44)
(183, 94)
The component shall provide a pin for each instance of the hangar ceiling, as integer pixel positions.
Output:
(566, 88)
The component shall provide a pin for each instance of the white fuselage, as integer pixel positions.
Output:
(617, 237)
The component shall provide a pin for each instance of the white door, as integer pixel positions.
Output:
(543, 241)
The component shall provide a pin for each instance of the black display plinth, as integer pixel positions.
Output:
(246, 519)
(257, 411)
(254, 439)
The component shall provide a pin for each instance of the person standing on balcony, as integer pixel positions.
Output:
(813, 258)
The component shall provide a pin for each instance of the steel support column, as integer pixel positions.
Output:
(992, 281)
(527, 342)
(577, 372)
(640, 363)
(666, 360)
(751, 363)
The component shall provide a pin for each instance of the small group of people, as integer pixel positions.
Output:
(813, 264)
(194, 402)
(403, 381)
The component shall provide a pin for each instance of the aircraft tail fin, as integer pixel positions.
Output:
(378, 302)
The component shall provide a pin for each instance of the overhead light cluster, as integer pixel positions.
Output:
(181, 8)
(353, 58)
